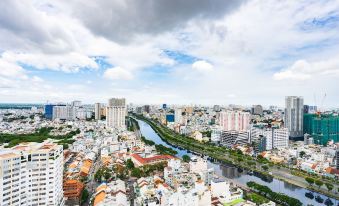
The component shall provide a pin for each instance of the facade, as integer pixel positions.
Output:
(234, 120)
(231, 138)
(170, 117)
(259, 144)
(323, 128)
(276, 138)
(97, 111)
(216, 134)
(49, 111)
(66, 112)
(31, 174)
(178, 115)
(294, 110)
(73, 189)
(116, 113)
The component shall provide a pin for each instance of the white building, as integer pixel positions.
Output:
(97, 111)
(66, 112)
(276, 138)
(221, 189)
(116, 113)
(178, 115)
(31, 174)
(234, 120)
(216, 134)
(294, 115)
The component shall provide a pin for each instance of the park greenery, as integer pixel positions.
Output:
(130, 169)
(38, 136)
(279, 198)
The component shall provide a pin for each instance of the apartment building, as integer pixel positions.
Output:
(31, 174)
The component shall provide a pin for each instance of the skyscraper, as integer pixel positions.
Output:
(294, 107)
(116, 113)
(97, 111)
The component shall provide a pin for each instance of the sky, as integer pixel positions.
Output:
(175, 52)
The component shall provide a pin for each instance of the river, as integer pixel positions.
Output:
(241, 177)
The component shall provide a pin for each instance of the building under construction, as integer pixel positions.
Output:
(322, 127)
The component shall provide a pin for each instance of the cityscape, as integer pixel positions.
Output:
(169, 103)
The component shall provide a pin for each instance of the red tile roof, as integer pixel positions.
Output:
(151, 159)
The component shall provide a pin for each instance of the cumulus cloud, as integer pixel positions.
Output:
(302, 69)
(118, 73)
(202, 66)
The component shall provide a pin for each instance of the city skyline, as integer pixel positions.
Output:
(225, 52)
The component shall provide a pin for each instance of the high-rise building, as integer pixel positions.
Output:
(178, 115)
(276, 138)
(97, 111)
(323, 128)
(76, 103)
(257, 109)
(294, 111)
(49, 111)
(146, 108)
(234, 120)
(164, 106)
(116, 113)
(65, 112)
(31, 174)
(216, 134)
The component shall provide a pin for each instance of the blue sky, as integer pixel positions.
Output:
(222, 52)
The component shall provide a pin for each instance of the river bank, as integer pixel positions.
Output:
(287, 186)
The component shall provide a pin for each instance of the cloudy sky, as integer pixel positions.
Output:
(176, 52)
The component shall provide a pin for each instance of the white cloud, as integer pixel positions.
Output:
(37, 79)
(202, 66)
(118, 73)
(70, 62)
(302, 69)
(8, 69)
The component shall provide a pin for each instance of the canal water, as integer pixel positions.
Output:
(241, 177)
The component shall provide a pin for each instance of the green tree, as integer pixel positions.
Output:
(329, 186)
(186, 158)
(129, 164)
(301, 154)
(136, 172)
(309, 180)
(264, 167)
(319, 183)
(84, 196)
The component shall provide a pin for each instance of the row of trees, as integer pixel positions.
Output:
(319, 183)
(276, 197)
(159, 147)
